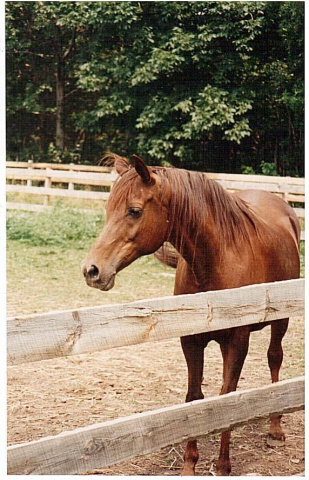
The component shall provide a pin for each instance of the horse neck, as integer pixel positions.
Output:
(200, 251)
(206, 221)
(193, 231)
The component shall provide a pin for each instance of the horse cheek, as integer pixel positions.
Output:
(155, 236)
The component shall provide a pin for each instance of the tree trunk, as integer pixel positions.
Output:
(61, 57)
(60, 118)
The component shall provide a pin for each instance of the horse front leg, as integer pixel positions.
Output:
(276, 435)
(193, 349)
(234, 349)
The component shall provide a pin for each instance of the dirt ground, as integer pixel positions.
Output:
(46, 398)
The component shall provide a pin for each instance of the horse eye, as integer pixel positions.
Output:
(135, 212)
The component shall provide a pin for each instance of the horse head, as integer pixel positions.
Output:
(136, 223)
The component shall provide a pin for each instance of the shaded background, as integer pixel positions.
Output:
(212, 86)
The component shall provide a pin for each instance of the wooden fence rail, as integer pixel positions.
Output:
(111, 442)
(290, 189)
(85, 330)
(60, 166)
(56, 334)
(59, 176)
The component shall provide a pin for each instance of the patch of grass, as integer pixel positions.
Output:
(44, 255)
(59, 226)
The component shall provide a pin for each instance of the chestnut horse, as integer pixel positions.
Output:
(224, 240)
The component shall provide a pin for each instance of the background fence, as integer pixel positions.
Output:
(38, 337)
(52, 180)
(61, 180)
(87, 182)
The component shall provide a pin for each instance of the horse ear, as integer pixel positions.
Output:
(142, 169)
(121, 165)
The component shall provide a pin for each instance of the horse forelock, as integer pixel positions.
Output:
(122, 189)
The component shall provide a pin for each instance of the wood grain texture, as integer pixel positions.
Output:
(107, 443)
(56, 334)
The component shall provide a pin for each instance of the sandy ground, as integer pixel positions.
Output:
(46, 398)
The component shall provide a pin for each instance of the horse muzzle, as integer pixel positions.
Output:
(96, 279)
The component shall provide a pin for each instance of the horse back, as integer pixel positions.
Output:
(278, 216)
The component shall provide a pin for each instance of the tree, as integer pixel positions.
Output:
(168, 80)
(277, 77)
(38, 48)
(204, 85)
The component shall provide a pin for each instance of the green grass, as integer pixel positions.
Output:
(61, 226)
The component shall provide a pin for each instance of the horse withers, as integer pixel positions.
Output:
(224, 241)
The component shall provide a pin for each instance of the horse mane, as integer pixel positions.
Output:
(194, 197)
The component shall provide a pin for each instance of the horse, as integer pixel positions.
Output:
(224, 240)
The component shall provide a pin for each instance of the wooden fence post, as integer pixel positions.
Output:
(112, 183)
(29, 181)
(71, 184)
(47, 185)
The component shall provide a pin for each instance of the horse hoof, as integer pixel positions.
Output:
(223, 470)
(275, 441)
(187, 472)
(222, 473)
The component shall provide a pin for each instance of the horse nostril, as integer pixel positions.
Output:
(93, 272)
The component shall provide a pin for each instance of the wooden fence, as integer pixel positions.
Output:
(290, 188)
(54, 334)
(70, 176)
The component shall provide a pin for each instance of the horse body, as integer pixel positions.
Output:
(272, 255)
(224, 241)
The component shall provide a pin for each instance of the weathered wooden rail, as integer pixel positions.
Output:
(291, 189)
(57, 334)
(111, 442)
(38, 337)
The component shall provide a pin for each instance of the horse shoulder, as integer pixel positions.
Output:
(184, 279)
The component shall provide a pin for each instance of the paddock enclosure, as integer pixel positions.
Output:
(89, 392)
(57, 334)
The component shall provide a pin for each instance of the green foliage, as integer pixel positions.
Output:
(207, 85)
(60, 226)
(268, 168)
(247, 170)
